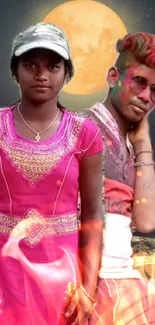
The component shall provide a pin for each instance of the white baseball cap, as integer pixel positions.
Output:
(43, 35)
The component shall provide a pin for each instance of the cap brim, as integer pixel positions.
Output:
(45, 45)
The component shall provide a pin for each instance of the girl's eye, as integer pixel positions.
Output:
(29, 65)
(53, 66)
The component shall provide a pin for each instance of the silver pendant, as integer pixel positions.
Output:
(37, 137)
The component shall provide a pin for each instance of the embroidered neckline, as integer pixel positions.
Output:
(37, 160)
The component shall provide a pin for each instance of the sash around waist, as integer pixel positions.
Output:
(33, 226)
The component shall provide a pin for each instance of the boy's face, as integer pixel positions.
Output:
(133, 92)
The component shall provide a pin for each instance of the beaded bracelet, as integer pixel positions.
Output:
(87, 294)
(143, 163)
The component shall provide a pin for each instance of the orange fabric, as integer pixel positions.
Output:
(124, 302)
(118, 197)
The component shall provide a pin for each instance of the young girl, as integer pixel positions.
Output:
(48, 264)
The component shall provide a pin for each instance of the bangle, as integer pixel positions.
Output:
(143, 163)
(87, 294)
(143, 151)
(71, 289)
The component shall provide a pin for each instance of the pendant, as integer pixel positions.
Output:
(37, 137)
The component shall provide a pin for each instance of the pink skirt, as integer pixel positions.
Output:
(33, 281)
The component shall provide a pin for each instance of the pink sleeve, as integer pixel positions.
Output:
(91, 139)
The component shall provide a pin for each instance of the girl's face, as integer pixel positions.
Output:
(40, 74)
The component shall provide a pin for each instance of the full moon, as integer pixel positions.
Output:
(92, 30)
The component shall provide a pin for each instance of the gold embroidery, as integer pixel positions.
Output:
(33, 167)
(34, 226)
(34, 162)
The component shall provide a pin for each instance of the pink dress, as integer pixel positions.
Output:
(39, 218)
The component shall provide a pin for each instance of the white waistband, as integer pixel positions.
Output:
(117, 250)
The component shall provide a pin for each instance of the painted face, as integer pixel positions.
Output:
(40, 75)
(134, 92)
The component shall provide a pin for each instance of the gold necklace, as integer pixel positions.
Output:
(37, 137)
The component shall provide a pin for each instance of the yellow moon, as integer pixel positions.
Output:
(92, 29)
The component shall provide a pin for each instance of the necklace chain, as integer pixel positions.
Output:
(37, 137)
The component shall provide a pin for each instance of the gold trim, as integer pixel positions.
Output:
(34, 226)
(34, 165)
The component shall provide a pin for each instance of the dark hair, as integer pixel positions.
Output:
(14, 61)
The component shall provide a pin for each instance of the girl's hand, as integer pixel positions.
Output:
(78, 308)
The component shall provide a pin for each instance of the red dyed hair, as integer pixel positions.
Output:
(140, 45)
